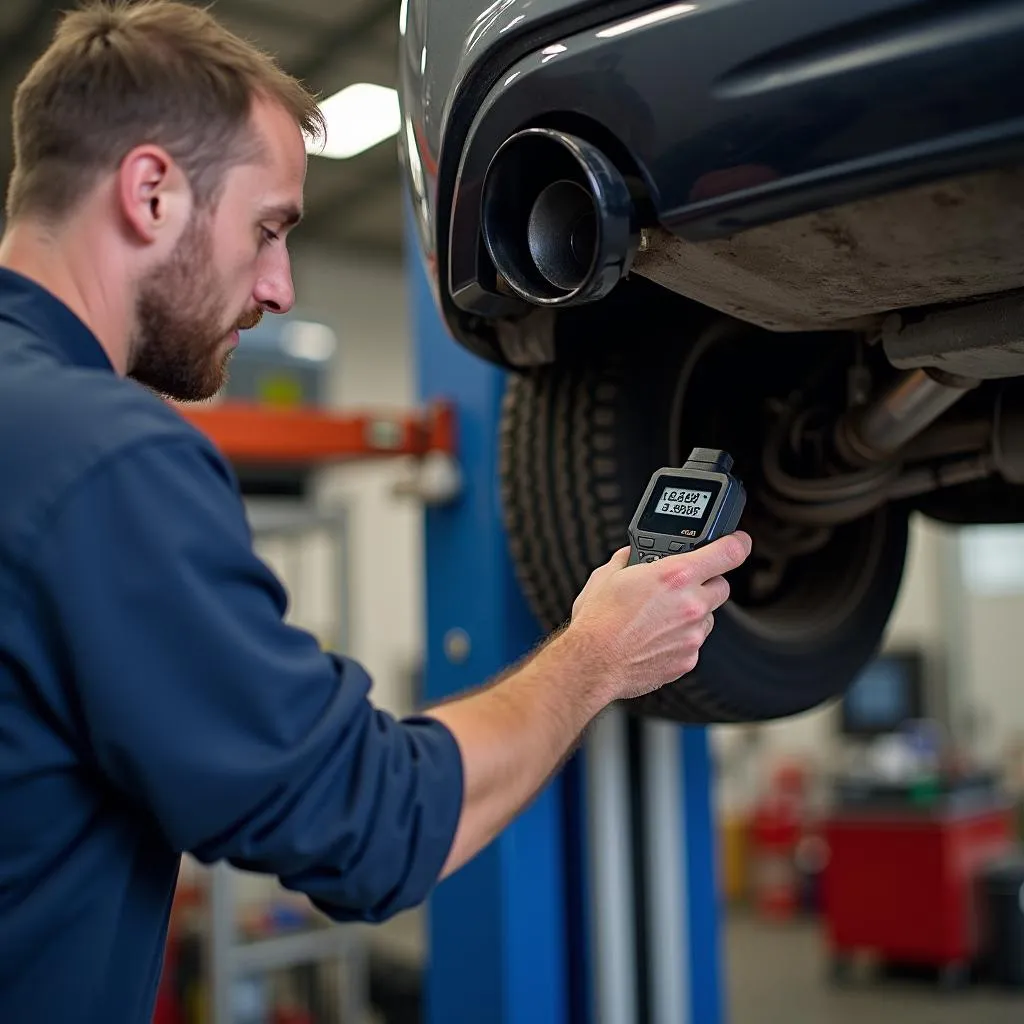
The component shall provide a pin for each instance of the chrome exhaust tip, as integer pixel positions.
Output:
(558, 218)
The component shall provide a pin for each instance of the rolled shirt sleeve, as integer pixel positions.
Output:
(233, 730)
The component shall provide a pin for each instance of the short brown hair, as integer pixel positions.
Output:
(120, 74)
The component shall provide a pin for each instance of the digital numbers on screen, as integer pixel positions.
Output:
(678, 501)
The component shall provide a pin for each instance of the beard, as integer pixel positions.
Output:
(180, 347)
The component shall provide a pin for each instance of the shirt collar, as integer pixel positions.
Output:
(42, 314)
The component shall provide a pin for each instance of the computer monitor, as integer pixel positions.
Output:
(887, 694)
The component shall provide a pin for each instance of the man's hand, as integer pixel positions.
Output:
(646, 623)
(634, 628)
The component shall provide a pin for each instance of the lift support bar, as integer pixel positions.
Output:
(252, 432)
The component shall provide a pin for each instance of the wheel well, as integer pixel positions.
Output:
(637, 305)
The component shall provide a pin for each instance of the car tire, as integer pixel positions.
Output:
(579, 441)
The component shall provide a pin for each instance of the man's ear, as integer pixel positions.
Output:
(153, 195)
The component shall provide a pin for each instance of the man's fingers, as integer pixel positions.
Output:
(716, 592)
(709, 625)
(714, 559)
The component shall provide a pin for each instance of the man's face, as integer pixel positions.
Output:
(230, 265)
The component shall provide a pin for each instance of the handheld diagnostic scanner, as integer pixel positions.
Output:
(685, 508)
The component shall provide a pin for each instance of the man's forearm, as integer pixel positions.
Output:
(634, 628)
(515, 734)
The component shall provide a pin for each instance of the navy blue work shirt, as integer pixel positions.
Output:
(153, 701)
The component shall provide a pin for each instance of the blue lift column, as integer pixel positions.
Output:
(513, 936)
(497, 933)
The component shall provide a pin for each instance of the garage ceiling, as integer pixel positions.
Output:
(352, 205)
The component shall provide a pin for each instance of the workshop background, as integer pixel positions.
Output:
(347, 539)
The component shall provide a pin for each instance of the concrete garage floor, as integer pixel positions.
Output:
(779, 975)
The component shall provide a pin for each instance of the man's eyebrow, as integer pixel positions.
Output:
(286, 214)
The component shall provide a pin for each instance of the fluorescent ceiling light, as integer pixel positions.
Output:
(305, 340)
(358, 118)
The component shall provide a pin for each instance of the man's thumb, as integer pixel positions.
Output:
(620, 559)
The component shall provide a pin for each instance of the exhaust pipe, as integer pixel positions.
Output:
(558, 218)
(915, 401)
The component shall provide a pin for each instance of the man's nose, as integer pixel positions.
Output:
(275, 290)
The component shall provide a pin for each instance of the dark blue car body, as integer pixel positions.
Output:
(734, 113)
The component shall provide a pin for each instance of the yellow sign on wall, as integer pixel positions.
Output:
(280, 390)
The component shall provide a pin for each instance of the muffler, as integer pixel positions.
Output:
(559, 220)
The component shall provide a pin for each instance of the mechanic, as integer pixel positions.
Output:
(153, 699)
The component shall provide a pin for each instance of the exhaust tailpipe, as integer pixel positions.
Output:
(558, 218)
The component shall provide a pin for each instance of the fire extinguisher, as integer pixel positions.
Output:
(775, 832)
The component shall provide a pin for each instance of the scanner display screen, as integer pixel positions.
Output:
(682, 501)
(680, 506)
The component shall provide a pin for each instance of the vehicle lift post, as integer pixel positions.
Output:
(539, 928)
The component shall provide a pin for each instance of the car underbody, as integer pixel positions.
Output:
(849, 267)
(924, 280)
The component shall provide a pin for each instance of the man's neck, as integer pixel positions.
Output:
(66, 266)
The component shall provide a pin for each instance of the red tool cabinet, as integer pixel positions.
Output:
(902, 883)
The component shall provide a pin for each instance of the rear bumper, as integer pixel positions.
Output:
(741, 112)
